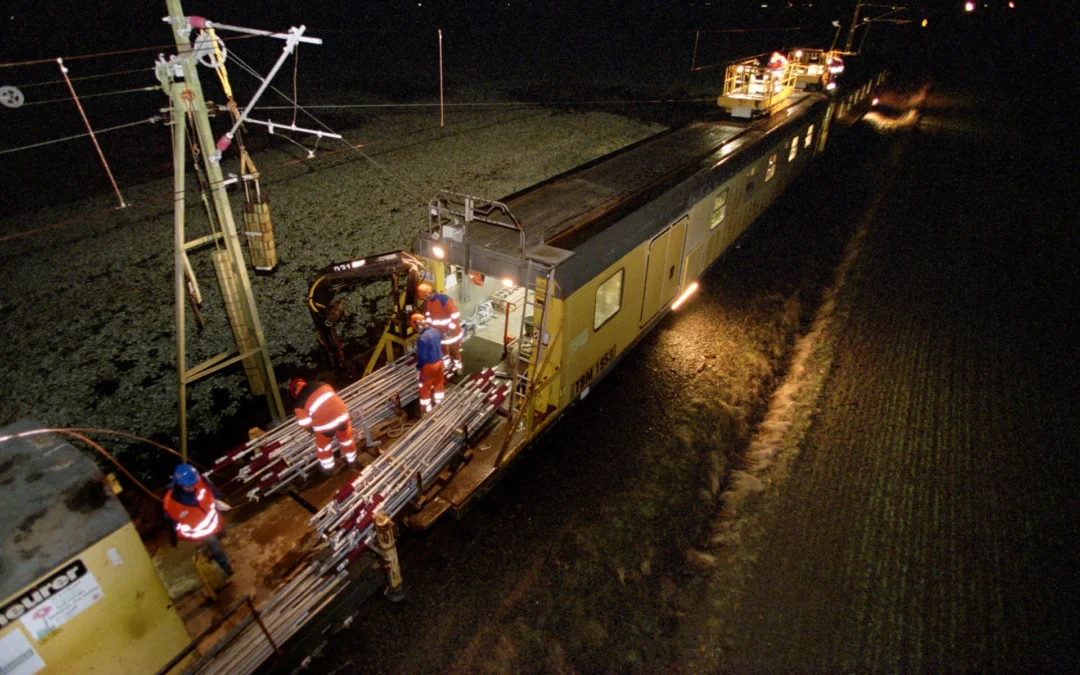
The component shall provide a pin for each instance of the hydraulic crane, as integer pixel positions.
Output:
(327, 309)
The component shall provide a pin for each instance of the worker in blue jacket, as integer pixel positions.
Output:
(429, 361)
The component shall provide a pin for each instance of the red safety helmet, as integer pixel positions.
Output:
(424, 290)
(415, 320)
(295, 385)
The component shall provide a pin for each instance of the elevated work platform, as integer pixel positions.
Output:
(752, 90)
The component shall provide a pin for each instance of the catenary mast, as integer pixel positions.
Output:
(181, 81)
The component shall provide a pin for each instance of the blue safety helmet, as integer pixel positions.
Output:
(186, 475)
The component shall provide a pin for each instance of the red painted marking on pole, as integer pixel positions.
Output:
(63, 71)
(442, 114)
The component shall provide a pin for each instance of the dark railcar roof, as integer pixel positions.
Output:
(596, 213)
(558, 207)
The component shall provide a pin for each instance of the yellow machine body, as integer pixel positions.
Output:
(80, 592)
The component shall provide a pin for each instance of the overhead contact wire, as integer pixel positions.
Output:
(34, 62)
(483, 104)
(149, 120)
(86, 96)
(86, 77)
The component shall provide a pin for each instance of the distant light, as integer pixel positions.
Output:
(438, 252)
(764, 5)
(924, 22)
(1012, 5)
(830, 86)
(509, 283)
(969, 6)
(686, 294)
(875, 101)
(798, 53)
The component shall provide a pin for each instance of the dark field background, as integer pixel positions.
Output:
(797, 472)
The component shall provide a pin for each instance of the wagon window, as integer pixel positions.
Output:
(719, 209)
(794, 149)
(608, 299)
(771, 171)
(809, 136)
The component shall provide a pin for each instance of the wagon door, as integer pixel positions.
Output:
(662, 269)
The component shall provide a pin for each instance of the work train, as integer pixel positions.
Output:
(600, 254)
(570, 274)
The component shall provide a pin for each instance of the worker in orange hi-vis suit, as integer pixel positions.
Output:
(777, 61)
(442, 313)
(320, 409)
(429, 361)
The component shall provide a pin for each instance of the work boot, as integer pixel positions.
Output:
(226, 567)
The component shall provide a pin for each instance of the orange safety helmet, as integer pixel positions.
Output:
(424, 290)
(415, 319)
(295, 385)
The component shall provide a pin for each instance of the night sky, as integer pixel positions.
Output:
(390, 50)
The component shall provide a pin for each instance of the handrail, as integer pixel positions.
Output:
(534, 389)
(214, 626)
(474, 210)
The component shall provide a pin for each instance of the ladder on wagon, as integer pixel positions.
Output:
(528, 366)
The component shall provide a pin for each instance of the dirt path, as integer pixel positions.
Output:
(924, 522)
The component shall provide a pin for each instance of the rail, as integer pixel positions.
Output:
(186, 651)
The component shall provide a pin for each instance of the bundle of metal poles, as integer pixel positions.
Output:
(270, 463)
(400, 475)
(345, 525)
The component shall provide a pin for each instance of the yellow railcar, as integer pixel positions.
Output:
(575, 270)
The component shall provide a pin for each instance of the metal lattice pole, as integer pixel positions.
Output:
(248, 314)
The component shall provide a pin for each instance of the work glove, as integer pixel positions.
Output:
(222, 505)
